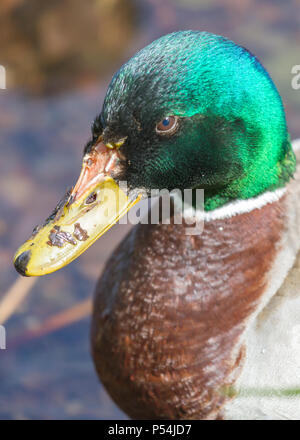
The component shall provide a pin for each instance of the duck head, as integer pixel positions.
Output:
(191, 110)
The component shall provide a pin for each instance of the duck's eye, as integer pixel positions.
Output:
(167, 125)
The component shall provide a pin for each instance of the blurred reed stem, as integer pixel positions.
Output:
(13, 298)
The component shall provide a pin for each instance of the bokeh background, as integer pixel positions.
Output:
(59, 58)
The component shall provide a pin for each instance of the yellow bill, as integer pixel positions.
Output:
(86, 212)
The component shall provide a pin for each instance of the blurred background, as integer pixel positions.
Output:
(59, 59)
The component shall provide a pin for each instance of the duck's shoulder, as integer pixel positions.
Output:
(272, 360)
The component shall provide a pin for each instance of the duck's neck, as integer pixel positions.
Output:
(227, 210)
(262, 178)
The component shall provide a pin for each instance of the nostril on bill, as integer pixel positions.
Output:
(91, 198)
(21, 262)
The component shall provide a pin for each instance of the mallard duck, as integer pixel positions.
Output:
(189, 326)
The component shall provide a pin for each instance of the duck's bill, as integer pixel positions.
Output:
(86, 212)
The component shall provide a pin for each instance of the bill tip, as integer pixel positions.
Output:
(21, 262)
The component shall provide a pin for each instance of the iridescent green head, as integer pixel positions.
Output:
(229, 136)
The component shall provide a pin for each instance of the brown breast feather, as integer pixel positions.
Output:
(170, 310)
